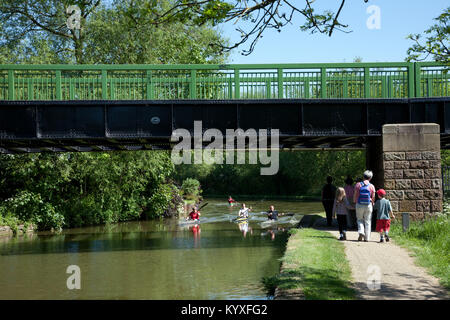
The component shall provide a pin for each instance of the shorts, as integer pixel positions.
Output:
(383, 225)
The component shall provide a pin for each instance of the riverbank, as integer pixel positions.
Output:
(314, 267)
(7, 231)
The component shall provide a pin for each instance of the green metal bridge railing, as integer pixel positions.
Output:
(253, 81)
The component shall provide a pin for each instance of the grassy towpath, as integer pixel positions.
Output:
(314, 267)
(318, 266)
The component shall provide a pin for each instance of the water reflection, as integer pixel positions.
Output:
(245, 228)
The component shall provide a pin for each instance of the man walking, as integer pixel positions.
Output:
(364, 197)
(328, 194)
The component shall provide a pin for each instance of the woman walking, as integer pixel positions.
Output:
(349, 190)
(364, 197)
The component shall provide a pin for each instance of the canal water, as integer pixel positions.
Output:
(167, 259)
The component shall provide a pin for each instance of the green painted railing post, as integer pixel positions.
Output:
(104, 84)
(418, 80)
(71, 89)
(193, 84)
(384, 87)
(430, 92)
(306, 86)
(150, 87)
(268, 93)
(345, 87)
(58, 85)
(391, 93)
(112, 91)
(30, 88)
(237, 84)
(366, 82)
(11, 91)
(411, 80)
(230, 89)
(323, 83)
(280, 83)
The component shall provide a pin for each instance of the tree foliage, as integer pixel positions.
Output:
(259, 15)
(76, 189)
(300, 173)
(436, 44)
(37, 32)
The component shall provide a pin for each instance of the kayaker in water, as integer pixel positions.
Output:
(194, 215)
(243, 213)
(231, 201)
(273, 214)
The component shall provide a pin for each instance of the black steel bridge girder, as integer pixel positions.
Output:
(112, 125)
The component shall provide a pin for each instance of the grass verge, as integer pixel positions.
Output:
(429, 241)
(315, 266)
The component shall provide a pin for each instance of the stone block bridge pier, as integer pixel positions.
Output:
(406, 161)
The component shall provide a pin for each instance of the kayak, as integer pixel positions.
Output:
(241, 219)
(188, 222)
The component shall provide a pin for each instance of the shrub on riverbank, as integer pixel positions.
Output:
(191, 189)
(314, 267)
(79, 189)
(28, 207)
(429, 240)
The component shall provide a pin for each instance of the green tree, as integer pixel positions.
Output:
(38, 31)
(76, 189)
(436, 44)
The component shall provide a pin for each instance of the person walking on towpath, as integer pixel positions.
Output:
(364, 197)
(384, 212)
(340, 211)
(328, 194)
(349, 190)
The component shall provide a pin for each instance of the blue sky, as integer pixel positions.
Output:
(398, 19)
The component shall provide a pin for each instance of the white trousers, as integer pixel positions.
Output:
(364, 219)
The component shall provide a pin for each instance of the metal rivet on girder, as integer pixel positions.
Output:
(155, 120)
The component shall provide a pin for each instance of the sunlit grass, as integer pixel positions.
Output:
(430, 242)
(315, 264)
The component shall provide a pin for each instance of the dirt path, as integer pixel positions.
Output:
(399, 277)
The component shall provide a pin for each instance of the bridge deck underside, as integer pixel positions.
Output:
(66, 126)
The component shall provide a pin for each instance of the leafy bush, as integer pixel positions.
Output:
(166, 201)
(79, 189)
(191, 188)
(29, 207)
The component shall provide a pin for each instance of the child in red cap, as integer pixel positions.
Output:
(384, 211)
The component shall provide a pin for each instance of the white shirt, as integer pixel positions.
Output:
(243, 212)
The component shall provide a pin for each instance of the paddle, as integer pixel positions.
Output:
(203, 206)
(243, 218)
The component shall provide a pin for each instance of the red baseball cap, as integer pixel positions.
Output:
(381, 192)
